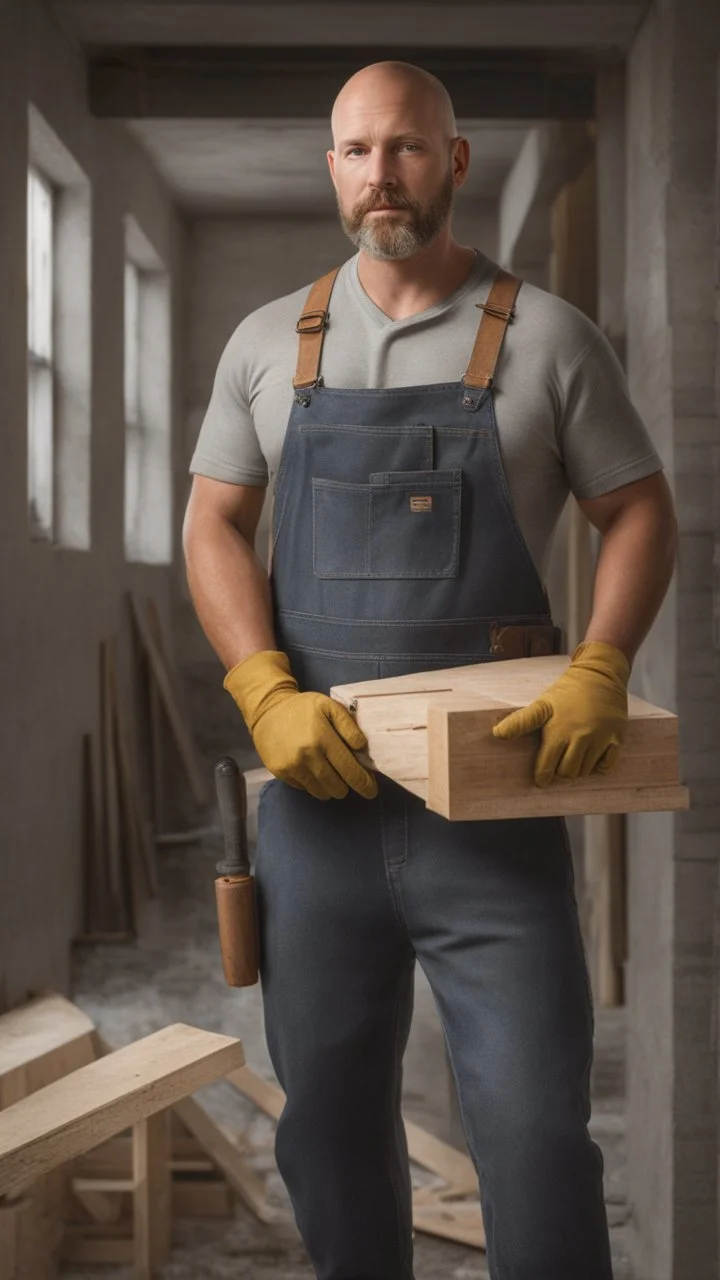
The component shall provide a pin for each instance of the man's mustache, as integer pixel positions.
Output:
(388, 199)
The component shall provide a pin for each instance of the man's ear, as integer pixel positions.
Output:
(331, 165)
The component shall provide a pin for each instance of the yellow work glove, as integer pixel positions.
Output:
(583, 715)
(306, 739)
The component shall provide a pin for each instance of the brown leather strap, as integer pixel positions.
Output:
(311, 327)
(533, 641)
(497, 312)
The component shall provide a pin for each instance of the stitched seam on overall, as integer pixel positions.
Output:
(520, 540)
(501, 618)
(572, 900)
(426, 388)
(405, 1250)
(279, 515)
(391, 867)
(423, 429)
(587, 1066)
(384, 657)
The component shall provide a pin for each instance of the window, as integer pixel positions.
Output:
(59, 356)
(148, 481)
(40, 356)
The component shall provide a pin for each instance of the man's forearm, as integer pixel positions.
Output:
(230, 590)
(636, 563)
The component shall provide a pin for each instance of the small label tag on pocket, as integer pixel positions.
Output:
(421, 504)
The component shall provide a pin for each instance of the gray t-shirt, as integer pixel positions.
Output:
(565, 420)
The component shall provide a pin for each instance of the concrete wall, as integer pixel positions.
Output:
(673, 862)
(57, 603)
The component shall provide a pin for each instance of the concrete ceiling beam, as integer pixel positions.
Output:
(271, 83)
(582, 24)
(550, 156)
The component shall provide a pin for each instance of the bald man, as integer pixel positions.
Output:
(422, 418)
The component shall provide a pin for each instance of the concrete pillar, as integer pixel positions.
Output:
(673, 860)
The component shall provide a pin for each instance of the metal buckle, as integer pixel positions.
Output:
(494, 309)
(318, 317)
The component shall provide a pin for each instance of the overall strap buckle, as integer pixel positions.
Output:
(498, 311)
(312, 322)
(311, 331)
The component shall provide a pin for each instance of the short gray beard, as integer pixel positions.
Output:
(390, 240)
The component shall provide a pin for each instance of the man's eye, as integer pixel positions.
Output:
(354, 151)
(409, 146)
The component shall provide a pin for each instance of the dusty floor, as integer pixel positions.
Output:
(173, 973)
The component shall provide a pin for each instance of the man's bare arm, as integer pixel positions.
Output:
(228, 582)
(636, 562)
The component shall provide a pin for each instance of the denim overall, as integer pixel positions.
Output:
(396, 550)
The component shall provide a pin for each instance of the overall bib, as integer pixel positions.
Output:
(396, 549)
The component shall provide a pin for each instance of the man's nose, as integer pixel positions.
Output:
(380, 171)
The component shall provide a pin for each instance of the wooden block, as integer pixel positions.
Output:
(222, 1149)
(424, 1149)
(151, 1197)
(181, 730)
(432, 733)
(39, 1042)
(100, 1100)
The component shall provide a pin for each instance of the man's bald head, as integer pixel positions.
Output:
(382, 82)
(397, 160)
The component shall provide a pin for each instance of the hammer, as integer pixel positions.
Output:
(234, 886)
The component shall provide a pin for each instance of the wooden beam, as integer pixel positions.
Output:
(582, 24)
(275, 82)
(74, 1114)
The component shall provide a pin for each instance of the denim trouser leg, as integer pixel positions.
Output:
(497, 934)
(349, 891)
(337, 972)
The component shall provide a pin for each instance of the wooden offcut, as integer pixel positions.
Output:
(96, 1102)
(432, 733)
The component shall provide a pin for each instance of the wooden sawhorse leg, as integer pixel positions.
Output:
(152, 1224)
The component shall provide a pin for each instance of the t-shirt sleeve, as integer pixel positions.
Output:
(228, 447)
(603, 441)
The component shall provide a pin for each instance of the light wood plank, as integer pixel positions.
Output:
(100, 1100)
(35, 1040)
(459, 1221)
(151, 1197)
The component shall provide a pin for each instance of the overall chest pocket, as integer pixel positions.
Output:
(402, 524)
